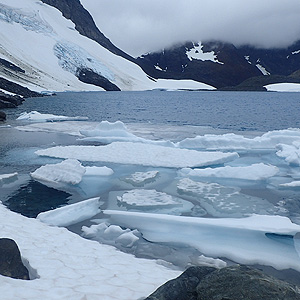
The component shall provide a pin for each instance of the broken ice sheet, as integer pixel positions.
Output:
(221, 201)
(150, 201)
(141, 178)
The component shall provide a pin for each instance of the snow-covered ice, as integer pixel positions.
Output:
(140, 154)
(8, 178)
(98, 171)
(69, 171)
(223, 201)
(290, 153)
(70, 267)
(251, 240)
(35, 116)
(141, 178)
(259, 171)
(71, 214)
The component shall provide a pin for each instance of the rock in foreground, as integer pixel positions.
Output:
(231, 283)
(11, 264)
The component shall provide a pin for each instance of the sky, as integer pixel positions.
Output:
(141, 26)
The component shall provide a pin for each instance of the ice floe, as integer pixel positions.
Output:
(256, 239)
(69, 171)
(70, 267)
(259, 171)
(71, 214)
(222, 201)
(140, 154)
(266, 141)
(141, 178)
(98, 171)
(8, 178)
(36, 116)
(290, 153)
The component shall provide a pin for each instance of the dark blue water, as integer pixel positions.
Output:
(236, 111)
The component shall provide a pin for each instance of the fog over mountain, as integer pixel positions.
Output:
(141, 26)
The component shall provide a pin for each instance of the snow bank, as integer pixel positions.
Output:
(69, 171)
(252, 240)
(70, 267)
(258, 171)
(283, 87)
(140, 154)
(38, 117)
(71, 214)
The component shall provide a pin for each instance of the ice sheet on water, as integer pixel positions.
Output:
(98, 171)
(71, 214)
(107, 132)
(290, 153)
(221, 201)
(148, 200)
(69, 171)
(242, 240)
(140, 154)
(8, 178)
(141, 178)
(35, 116)
(258, 171)
(237, 142)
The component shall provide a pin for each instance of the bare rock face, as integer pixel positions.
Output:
(231, 283)
(11, 264)
(2, 116)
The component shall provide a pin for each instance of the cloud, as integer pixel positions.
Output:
(139, 26)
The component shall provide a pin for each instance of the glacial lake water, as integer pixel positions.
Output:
(155, 116)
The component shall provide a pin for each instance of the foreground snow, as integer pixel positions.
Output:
(70, 267)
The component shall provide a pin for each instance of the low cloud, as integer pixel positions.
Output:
(140, 26)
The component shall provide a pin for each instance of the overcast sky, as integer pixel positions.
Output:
(139, 26)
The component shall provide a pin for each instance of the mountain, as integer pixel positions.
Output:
(224, 65)
(55, 45)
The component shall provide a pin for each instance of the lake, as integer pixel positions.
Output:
(257, 173)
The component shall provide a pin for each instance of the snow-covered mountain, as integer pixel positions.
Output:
(225, 66)
(55, 45)
(46, 51)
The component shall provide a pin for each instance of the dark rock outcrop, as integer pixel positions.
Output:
(90, 77)
(8, 101)
(230, 283)
(10, 260)
(17, 89)
(2, 116)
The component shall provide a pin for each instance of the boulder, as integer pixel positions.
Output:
(11, 264)
(230, 283)
(2, 116)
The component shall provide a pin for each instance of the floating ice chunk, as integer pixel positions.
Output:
(98, 171)
(258, 171)
(127, 239)
(267, 141)
(144, 198)
(283, 87)
(221, 201)
(71, 214)
(247, 240)
(38, 117)
(210, 262)
(107, 132)
(290, 153)
(140, 154)
(8, 178)
(141, 178)
(291, 184)
(69, 171)
(111, 234)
